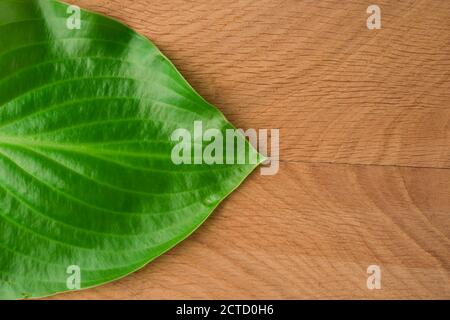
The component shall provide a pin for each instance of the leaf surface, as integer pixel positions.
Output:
(86, 176)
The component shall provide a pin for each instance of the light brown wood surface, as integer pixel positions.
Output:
(364, 119)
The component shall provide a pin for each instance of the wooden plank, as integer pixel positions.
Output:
(311, 232)
(339, 92)
(365, 132)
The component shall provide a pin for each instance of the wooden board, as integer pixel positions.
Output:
(364, 119)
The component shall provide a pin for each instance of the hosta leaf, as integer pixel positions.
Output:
(86, 175)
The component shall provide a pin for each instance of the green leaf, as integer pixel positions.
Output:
(86, 175)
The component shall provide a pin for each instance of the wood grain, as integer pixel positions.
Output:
(364, 118)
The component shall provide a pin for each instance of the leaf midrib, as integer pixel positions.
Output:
(9, 140)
